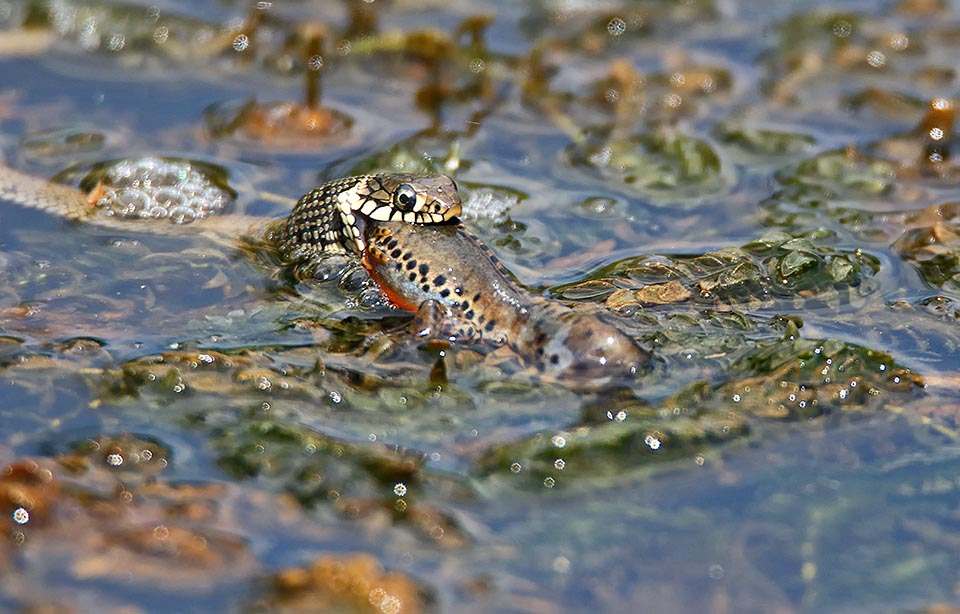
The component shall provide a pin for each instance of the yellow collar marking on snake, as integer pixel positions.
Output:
(331, 217)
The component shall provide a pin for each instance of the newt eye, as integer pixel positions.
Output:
(405, 198)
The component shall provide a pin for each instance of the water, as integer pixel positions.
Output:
(190, 425)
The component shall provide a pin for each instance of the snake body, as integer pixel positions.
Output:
(327, 219)
(36, 193)
(77, 206)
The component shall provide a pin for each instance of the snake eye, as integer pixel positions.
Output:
(405, 198)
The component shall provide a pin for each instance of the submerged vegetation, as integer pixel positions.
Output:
(765, 197)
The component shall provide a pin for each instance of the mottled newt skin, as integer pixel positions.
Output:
(418, 266)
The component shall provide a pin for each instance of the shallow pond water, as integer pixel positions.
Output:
(762, 194)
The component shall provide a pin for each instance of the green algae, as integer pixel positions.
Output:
(756, 209)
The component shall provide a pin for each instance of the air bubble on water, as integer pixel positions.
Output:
(616, 26)
(182, 215)
(899, 42)
(116, 42)
(601, 157)
(561, 564)
(876, 59)
(672, 100)
(21, 516)
(842, 28)
(154, 187)
(488, 204)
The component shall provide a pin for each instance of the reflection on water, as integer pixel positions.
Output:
(764, 196)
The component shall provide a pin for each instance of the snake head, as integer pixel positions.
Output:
(419, 199)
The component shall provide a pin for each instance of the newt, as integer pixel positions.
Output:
(446, 269)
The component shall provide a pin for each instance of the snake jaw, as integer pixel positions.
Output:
(357, 228)
(454, 210)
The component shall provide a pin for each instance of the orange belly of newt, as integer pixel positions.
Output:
(396, 299)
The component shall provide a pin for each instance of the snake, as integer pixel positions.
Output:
(328, 219)
(405, 231)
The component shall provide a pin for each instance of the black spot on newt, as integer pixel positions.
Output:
(439, 280)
